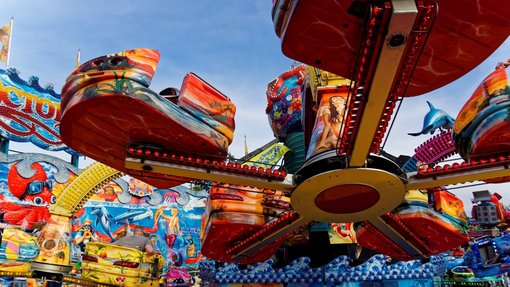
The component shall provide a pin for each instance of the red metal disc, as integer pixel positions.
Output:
(347, 198)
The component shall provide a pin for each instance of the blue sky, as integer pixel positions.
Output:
(230, 44)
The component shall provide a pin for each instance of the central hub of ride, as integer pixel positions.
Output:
(327, 192)
(347, 198)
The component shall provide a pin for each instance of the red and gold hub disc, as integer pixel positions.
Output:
(347, 198)
(348, 195)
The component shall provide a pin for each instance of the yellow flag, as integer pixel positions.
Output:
(270, 156)
(5, 36)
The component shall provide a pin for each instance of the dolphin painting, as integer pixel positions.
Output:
(104, 219)
(142, 216)
(435, 119)
(128, 215)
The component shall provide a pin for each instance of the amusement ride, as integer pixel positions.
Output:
(360, 59)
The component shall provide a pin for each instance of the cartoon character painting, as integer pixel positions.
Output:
(24, 216)
(173, 237)
(34, 194)
(85, 234)
(173, 227)
(109, 192)
(36, 189)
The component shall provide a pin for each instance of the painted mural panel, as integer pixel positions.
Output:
(170, 217)
(173, 224)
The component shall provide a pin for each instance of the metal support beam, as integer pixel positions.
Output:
(396, 237)
(457, 177)
(271, 238)
(401, 24)
(152, 168)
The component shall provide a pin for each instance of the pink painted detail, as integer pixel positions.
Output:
(436, 149)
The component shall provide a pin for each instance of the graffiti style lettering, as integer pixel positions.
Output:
(29, 115)
(30, 103)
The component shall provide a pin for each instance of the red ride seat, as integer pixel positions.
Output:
(107, 105)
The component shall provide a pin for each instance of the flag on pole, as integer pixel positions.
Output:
(78, 59)
(245, 146)
(5, 39)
